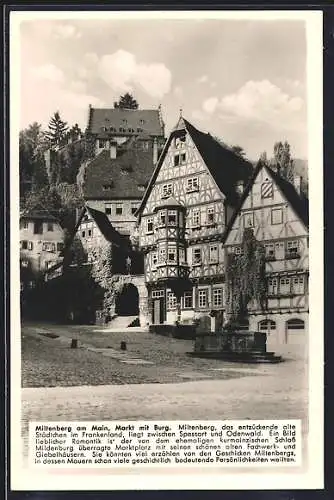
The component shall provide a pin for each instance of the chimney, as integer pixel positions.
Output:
(297, 182)
(113, 149)
(155, 151)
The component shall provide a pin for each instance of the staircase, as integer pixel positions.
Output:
(121, 322)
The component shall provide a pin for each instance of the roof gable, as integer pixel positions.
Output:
(225, 167)
(298, 203)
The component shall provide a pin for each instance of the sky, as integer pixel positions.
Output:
(243, 81)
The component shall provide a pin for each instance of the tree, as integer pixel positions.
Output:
(282, 162)
(126, 101)
(74, 133)
(32, 168)
(57, 130)
(246, 278)
(239, 150)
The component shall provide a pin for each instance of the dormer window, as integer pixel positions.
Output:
(125, 121)
(141, 122)
(141, 187)
(106, 187)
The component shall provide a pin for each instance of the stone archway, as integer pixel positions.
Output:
(127, 301)
(138, 282)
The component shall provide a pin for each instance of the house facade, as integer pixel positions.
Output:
(184, 212)
(277, 212)
(41, 245)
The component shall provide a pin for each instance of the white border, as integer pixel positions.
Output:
(25, 480)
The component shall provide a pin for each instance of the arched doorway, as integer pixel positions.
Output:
(127, 302)
(295, 331)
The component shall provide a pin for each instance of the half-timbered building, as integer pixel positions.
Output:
(184, 212)
(277, 212)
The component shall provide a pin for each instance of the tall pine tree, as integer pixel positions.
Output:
(57, 130)
(282, 161)
(126, 101)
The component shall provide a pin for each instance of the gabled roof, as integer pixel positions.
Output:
(38, 212)
(123, 175)
(105, 227)
(299, 203)
(147, 120)
(225, 166)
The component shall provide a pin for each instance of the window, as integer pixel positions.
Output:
(213, 254)
(149, 225)
(279, 250)
(176, 160)
(162, 255)
(272, 286)
(122, 129)
(210, 216)
(141, 187)
(276, 216)
(106, 187)
(31, 284)
(172, 217)
(197, 256)
(38, 227)
(172, 254)
(167, 190)
(157, 294)
(182, 255)
(134, 208)
(188, 300)
(90, 232)
(171, 300)
(49, 246)
(292, 249)
(192, 184)
(270, 251)
(298, 285)
(30, 245)
(217, 297)
(183, 158)
(141, 122)
(179, 141)
(60, 247)
(50, 226)
(83, 234)
(295, 324)
(108, 209)
(102, 143)
(24, 263)
(49, 263)
(196, 218)
(124, 121)
(238, 250)
(284, 286)
(144, 145)
(266, 324)
(119, 208)
(203, 298)
(139, 130)
(162, 218)
(24, 245)
(154, 259)
(249, 219)
(267, 190)
(25, 224)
